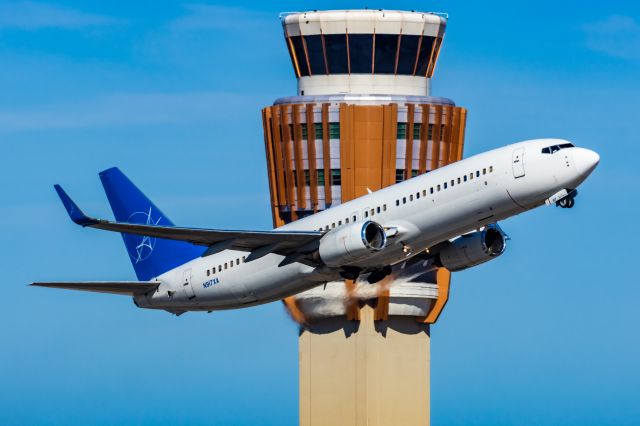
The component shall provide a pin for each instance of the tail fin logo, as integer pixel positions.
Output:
(141, 247)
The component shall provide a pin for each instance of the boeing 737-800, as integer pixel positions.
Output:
(448, 217)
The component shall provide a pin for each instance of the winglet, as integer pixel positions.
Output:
(73, 210)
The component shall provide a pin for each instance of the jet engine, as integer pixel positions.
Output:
(351, 243)
(473, 249)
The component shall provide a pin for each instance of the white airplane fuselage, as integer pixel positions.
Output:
(418, 213)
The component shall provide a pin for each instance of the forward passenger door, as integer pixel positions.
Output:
(518, 163)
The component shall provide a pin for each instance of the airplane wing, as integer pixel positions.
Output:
(128, 288)
(217, 240)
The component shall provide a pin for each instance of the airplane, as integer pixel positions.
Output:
(447, 217)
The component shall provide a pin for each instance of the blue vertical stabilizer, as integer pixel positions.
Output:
(150, 256)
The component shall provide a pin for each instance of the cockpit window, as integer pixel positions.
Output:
(554, 148)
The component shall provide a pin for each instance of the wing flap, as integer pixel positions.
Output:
(128, 288)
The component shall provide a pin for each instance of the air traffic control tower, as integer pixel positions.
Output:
(362, 119)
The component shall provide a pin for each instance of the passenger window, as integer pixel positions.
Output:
(346, 220)
(244, 258)
(404, 200)
(208, 272)
(470, 176)
(438, 188)
(465, 178)
(219, 268)
(452, 182)
(490, 169)
(477, 173)
(333, 225)
(225, 265)
(431, 190)
(237, 262)
(372, 212)
(326, 228)
(354, 218)
(484, 171)
(424, 192)
(397, 202)
(339, 223)
(417, 195)
(384, 207)
(445, 185)
(458, 181)
(411, 197)
(378, 209)
(366, 214)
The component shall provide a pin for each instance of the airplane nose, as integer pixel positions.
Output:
(585, 161)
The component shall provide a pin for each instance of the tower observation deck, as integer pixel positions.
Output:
(363, 51)
(362, 119)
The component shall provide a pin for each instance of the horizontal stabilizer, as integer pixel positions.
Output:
(128, 288)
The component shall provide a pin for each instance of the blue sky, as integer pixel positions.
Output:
(171, 93)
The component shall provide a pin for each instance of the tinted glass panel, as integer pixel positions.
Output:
(335, 177)
(408, 50)
(292, 60)
(316, 54)
(361, 52)
(416, 130)
(302, 61)
(385, 58)
(336, 45)
(401, 130)
(425, 54)
(334, 130)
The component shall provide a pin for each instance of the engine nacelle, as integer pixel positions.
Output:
(473, 249)
(350, 243)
